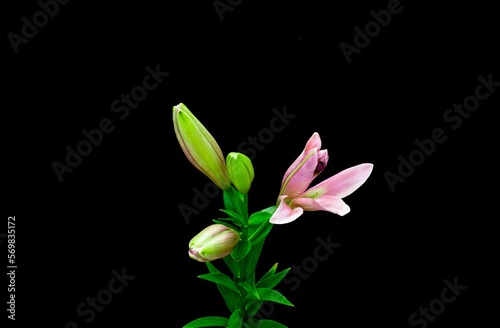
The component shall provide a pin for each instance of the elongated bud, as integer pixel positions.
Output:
(240, 170)
(200, 147)
(214, 242)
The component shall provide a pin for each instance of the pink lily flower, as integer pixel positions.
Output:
(295, 197)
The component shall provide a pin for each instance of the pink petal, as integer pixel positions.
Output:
(322, 161)
(299, 180)
(343, 183)
(313, 142)
(327, 203)
(284, 213)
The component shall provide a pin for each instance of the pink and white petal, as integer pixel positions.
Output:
(326, 203)
(284, 213)
(343, 183)
(313, 142)
(299, 179)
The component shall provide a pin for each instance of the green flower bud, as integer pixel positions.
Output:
(200, 147)
(214, 242)
(240, 170)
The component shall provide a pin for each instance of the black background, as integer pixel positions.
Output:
(119, 207)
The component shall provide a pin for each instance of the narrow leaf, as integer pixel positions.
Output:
(208, 322)
(268, 294)
(221, 279)
(270, 209)
(231, 298)
(232, 265)
(250, 302)
(252, 258)
(234, 215)
(271, 271)
(250, 288)
(272, 280)
(252, 307)
(227, 224)
(261, 232)
(212, 268)
(241, 250)
(236, 202)
(236, 320)
(228, 199)
(258, 218)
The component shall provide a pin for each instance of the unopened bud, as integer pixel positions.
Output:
(200, 147)
(214, 242)
(240, 170)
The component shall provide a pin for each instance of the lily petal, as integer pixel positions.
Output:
(301, 176)
(326, 203)
(322, 161)
(313, 142)
(343, 183)
(284, 213)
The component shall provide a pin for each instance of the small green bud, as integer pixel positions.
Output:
(240, 170)
(214, 242)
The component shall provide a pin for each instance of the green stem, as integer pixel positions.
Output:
(239, 204)
(250, 235)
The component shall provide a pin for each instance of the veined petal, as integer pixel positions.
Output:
(327, 203)
(301, 176)
(343, 183)
(284, 213)
(313, 142)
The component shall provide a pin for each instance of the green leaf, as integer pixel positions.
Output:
(234, 216)
(236, 202)
(271, 271)
(250, 288)
(269, 324)
(232, 265)
(221, 279)
(252, 258)
(212, 268)
(231, 298)
(208, 322)
(270, 281)
(228, 199)
(229, 225)
(268, 294)
(241, 250)
(253, 301)
(236, 320)
(258, 218)
(252, 307)
(261, 232)
(250, 302)
(270, 209)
